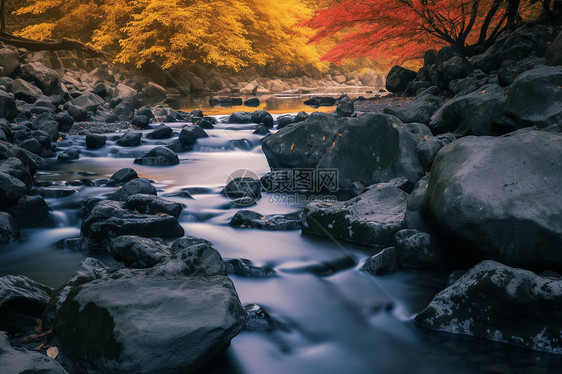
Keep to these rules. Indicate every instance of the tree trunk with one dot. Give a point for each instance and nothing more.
(41, 45)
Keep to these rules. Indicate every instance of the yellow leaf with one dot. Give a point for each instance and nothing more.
(380, 185)
(161, 214)
(59, 139)
(292, 146)
(425, 137)
(38, 348)
(333, 145)
(323, 138)
(53, 352)
(340, 134)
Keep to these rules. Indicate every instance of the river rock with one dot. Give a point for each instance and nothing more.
(95, 141)
(242, 187)
(533, 99)
(8, 228)
(78, 113)
(206, 123)
(428, 148)
(514, 217)
(9, 60)
(22, 361)
(252, 102)
(150, 204)
(398, 78)
(160, 132)
(319, 101)
(130, 138)
(372, 218)
(133, 187)
(65, 121)
(109, 219)
(11, 189)
(419, 110)
(45, 78)
(418, 249)
(189, 135)
(122, 176)
(138, 253)
(159, 156)
(26, 91)
(14, 167)
(510, 70)
(173, 317)
(345, 107)
(141, 121)
(246, 268)
(239, 117)
(21, 301)
(32, 211)
(262, 117)
(386, 261)
(501, 303)
(454, 68)
(250, 219)
(468, 114)
(69, 154)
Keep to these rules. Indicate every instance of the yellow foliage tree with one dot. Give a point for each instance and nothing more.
(229, 33)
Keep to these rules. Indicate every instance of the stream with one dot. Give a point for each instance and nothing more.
(344, 322)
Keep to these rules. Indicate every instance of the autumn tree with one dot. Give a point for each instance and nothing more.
(398, 30)
(228, 33)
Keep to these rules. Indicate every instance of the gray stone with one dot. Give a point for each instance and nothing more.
(533, 99)
(516, 215)
(130, 138)
(383, 262)
(468, 114)
(137, 252)
(500, 303)
(26, 91)
(189, 135)
(150, 204)
(45, 78)
(9, 60)
(372, 218)
(419, 110)
(159, 156)
(8, 228)
(133, 187)
(21, 301)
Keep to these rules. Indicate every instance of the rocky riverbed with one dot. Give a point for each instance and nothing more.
(459, 179)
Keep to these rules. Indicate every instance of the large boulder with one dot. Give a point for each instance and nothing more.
(327, 142)
(372, 218)
(533, 99)
(45, 78)
(398, 78)
(497, 197)
(190, 133)
(468, 114)
(130, 138)
(26, 91)
(11, 189)
(501, 303)
(151, 204)
(419, 110)
(9, 60)
(174, 317)
(21, 301)
(22, 361)
(109, 219)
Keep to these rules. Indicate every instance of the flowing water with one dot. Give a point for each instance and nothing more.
(344, 322)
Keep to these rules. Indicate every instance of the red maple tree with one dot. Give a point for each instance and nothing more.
(398, 30)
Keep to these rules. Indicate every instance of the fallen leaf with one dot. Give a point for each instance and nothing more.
(333, 145)
(380, 185)
(323, 138)
(559, 86)
(340, 134)
(38, 348)
(483, 91)
(53, 352)
(59, 139)
(161, 214)
(31, 338)
(292, 146)
(48, 334)
(425, 137)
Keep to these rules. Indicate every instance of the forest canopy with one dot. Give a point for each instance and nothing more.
(243, 33)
